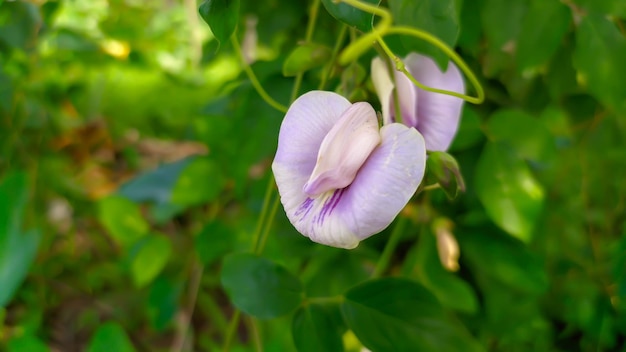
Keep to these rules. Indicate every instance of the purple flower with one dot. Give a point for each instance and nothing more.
(341, 179)
(436, 116)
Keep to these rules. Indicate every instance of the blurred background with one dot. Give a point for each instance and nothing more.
(135, 153)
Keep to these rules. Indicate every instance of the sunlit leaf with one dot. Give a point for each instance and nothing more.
(599, 58)
(259, 286)
(394, 314)
(122, 219)
(17, 248)
(350, 15)
(200, 182)
(221, 16)
(510, 193)
(314, 330)
(544, 26)
(108, 337)
(149, 258)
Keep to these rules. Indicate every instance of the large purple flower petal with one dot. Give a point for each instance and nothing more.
(438, 114)
(381, 188)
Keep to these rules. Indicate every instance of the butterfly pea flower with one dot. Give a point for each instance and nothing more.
(436, 116)
(341, 178)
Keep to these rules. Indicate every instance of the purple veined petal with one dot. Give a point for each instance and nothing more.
(344, 149)
(438, 114)
(382, 187)
(307, 122)
(384, 87)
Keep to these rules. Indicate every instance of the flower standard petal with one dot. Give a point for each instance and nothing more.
(438, 114)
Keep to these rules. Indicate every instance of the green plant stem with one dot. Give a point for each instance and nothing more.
(385, 257)
(256, 335)
(253, 79)
(232, 329)
(356, 49)
(268, 225)
(269, 192)
(310, 28)
(340, 38)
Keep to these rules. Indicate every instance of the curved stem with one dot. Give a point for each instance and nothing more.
(356, 49)
(383, 261)
(333, 56)
(254, 80)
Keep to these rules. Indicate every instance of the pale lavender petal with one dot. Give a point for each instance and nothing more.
(438, 114)
(407, 99)
(383, 86)
(307, 122)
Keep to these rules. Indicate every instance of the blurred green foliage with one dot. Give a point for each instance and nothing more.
(134, 159)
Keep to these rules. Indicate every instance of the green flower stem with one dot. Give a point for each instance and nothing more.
(383, 261)
(309, 35)
(269, 192)
(232, 329)
(253, 79)
(333, 56)
(268, 226)
(356, 49)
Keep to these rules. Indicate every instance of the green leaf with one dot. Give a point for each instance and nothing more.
(199, 183)
(214, 240)
(17, 249)
(163, 302)
(110, 336)
(393, 314)
(28, 343)
(221, 16)
(149, 258)
(469, 133)
(437, 17)
(259, 286)
(511, 195)
(305, 57)
(599, 58)
(604, 7)
(449, 289)
(544, 26)
(122, 219)
(314, 330)
(505, 259)
(445, 170)
(351, 16)
(536, 143)
(19, 23)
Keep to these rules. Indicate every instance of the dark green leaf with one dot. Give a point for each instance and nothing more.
(17, 248)
(599, 58)
(163, 302)
(351, 16)
(508, 190)
(110, 337)
(314, 330)
(259, 286)
(214, 241)
(544, 26)
(200, 182)
(445, 170)
(221, 16)
(122, 219)
(19, 23)
(469, 133)
(395, 314)
(305, 57)
(437, 17)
